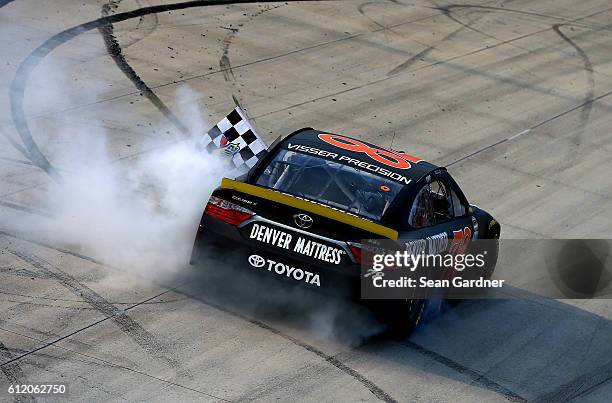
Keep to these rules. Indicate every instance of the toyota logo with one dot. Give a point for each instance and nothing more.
(257, 261)
(303, 220)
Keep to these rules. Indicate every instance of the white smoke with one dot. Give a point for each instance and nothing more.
(141, 219)
(139, 214)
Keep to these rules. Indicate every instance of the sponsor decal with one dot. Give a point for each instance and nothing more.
(251, 202)
(461, 240)
(434, 244)
(387, 157)
(257, 261)
(303, 220)
(231, 149)
(350, 161)
(282, 269)
(297, 244)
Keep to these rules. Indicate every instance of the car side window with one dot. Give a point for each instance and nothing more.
(441, 201)
(459, 209)
(432, 205)
(421, 213)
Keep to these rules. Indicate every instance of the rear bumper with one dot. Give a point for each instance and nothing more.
(222, 246)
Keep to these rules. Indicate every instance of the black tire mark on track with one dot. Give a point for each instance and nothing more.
(106, 361)
(147, 30)
(333, 360)
(14, 374)
(377, 391)
(419, 56)
(448, 63)
(477, 377)
(25, 209)
(542, 123)
(26, 67)
(116, 53)
(588, 67)
(362, 6)
(224, 62)
(125, 323)
(28, 273)
(265, 59)
(581, 386)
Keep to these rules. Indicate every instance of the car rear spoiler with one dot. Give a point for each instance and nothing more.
(310, 206)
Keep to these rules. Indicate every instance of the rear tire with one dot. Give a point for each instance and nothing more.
(401, 317)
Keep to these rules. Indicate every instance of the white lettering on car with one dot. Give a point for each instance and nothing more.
(281, 269)
(303, 246)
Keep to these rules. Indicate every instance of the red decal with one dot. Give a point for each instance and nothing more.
(461, 240)
(388, 157)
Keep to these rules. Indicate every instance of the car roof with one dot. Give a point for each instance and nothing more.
(395, 165)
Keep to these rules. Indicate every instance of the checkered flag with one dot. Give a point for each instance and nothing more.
(237, 139)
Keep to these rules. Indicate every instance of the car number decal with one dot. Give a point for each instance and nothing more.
(388, 157)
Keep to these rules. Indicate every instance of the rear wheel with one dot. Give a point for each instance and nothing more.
(401, 317)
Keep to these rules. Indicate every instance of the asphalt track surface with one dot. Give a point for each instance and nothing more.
(512, 96)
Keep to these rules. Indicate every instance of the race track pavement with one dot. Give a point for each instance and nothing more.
(513, 96)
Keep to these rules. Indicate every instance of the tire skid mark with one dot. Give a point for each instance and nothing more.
(224, 62)
(585, 107)
(42, 366)
(43, 275)
(14, 374)
(23, 272)
(43, 336)
(146, 23)
(588, 67)
(116, 53)
(377, 391)
(361, 9)
(580, 386)
(331, 359)
(448, 63)
(261, 60)
(420, 55)
(478, 378)
(104, 24)
(225, 65)
(126, 324)
(25, 209)
(106, 362)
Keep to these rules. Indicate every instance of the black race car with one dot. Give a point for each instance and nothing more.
(302, 211)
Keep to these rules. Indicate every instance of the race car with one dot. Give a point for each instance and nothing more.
(302, 210)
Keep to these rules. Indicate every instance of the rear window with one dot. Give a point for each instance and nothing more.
(330, 183)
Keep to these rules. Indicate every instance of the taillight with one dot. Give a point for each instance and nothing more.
(227, 211)
(356, 251)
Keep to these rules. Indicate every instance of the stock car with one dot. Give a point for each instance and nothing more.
(302, 211)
